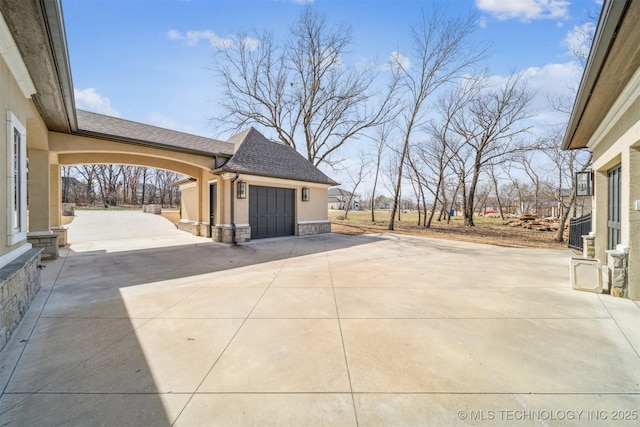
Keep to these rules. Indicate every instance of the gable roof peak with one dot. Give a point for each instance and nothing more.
(255, 154)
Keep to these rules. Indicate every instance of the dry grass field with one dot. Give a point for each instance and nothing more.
(486, 230)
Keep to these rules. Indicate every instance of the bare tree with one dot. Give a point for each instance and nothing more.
(566, 163)
(356, 175)
(527, 163)
(303, 88)
(441, 52)
(438, 152)
(89, 173)
(383, 133)
(492, 128)
(496, 190)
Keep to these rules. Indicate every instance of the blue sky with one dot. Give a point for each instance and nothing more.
(150, 60)
(134, 59)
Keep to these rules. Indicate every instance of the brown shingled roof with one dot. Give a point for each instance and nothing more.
(250, 151)
(99, 125)
(256, 155)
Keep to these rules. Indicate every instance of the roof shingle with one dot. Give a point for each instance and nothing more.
(257, 155)
(249, 151)
(93, 124)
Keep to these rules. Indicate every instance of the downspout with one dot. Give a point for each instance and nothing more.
(233, 199)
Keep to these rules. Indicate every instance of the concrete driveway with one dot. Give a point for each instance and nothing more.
(140, 324)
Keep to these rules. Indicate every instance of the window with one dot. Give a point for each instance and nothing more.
(17, 180)
(613, 207)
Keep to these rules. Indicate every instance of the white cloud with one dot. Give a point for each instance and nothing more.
(397, 62)
(578, 40)
(192, 37)
(525, 10)
(90, 100)
(551, 82)
(303, 1)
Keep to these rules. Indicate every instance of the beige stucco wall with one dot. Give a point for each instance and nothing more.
(11, 100)
(75, 149)
(617, 141)
(189, 202)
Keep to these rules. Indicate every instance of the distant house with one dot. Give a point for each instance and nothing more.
(606, 120)
(339, 198)
(562, 198)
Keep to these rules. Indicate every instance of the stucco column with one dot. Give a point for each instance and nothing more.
(38, 190)
(634, 224)
(39, 235)
(203, 203)
(55, 196)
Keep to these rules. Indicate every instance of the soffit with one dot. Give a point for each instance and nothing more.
(39, 37)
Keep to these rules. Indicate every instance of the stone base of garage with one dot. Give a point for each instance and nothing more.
(306, 228)
(223, 233)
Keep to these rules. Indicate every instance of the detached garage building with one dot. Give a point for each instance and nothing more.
(264, 189)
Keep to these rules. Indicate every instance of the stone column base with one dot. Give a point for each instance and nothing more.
(223, 233)
(45, 240)
(617, 265)
(589, 246)
(61, 232)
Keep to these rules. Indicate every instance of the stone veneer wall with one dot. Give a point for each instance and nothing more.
(308, 228)
(19, 284)
(195, 228)
(152, 209)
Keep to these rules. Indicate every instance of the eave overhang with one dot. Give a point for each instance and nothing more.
(613, 59)
(38, 30)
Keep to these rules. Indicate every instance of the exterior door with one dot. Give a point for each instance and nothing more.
(271, 211)
(613, 207)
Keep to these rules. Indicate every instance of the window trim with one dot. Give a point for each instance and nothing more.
(614, 206)
(16, 220)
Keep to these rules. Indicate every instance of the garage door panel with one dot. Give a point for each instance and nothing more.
(271, 212)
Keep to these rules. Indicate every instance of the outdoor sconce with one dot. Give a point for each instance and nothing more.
(305, 194)
(584, 183)
(242, 190)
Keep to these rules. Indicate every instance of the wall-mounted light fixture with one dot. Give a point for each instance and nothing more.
(305, 194)
(584, 183)
(242, 190)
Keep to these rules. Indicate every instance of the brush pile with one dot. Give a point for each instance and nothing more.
(532, 222)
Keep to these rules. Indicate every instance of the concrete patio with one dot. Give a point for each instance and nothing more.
(138, 323)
